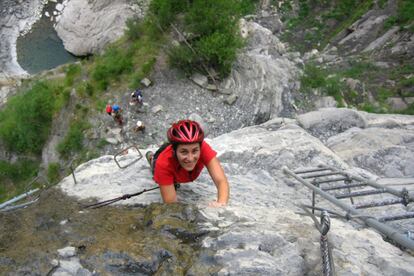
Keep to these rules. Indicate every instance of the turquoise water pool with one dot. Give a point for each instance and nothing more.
(41, 48)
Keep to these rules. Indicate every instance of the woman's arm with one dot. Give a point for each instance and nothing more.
(219, 178)
(168, 193)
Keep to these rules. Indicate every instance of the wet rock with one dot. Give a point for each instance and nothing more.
(15, 19)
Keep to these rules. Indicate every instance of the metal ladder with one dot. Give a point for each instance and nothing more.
(328, 182)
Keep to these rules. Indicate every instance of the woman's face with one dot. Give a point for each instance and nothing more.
(188, 155)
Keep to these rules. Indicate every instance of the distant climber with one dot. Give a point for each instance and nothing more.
(139, 127)
(136, 97)
(108, 109)
(182, 160)
(116, 114)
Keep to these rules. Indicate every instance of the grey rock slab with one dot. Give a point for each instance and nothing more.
(199, 79)
(146, 82)
(66, 252)
(383, 151)
(157, 108)
(326, 101)
(379, 42)
(327, 122)
(112, 141)
(231, 99)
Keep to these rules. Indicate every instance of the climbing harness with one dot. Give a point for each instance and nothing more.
(333, 180)
(123, 197)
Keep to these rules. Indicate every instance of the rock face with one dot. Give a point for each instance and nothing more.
(330, 121)
(86, 27)
(259, 232)
(261, 75)
(386, 148)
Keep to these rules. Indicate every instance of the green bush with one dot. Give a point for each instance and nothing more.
(133, 30)
(73, 70)
(165, 10)
(219, 51)
(113, 63)
(405, 11)
(73, 141)
(409, 110)
(19, 171)
(333, 87)
(15, 177)
(183, 58)
(359, 69)
(27, 118)
(53, 175)
(405, 15)
(313, 77)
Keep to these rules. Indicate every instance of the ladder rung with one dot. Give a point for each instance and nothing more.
(378, 203)
(344, 186)
(319, 175)
(330, 180)
(311, 170)
(397, 217)
(362, 193)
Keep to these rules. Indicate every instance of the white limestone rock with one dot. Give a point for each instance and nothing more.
(330, 121)
(86, 27)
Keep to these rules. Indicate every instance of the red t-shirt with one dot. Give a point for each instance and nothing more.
(168, 171)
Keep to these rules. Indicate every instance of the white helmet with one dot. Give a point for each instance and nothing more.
(139, 124)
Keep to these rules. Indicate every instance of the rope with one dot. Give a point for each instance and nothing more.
(323, 227)
(110, 201)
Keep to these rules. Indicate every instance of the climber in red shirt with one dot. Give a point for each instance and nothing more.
(183, 159)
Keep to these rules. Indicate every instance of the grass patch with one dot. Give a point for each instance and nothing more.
(310, 28)
(110, 66)
(15, 177)
(409, 110)
(53, 175)
(359, 69)
(405, 15)
(27, 118)
(73, 141)
(72, 71)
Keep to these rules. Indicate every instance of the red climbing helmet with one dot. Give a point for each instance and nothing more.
(185, 131)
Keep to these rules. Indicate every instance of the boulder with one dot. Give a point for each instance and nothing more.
(383, 151)
(261, 75)
(86, 27)
(327, 122)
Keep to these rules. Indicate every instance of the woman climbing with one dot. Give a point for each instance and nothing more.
(182, 160)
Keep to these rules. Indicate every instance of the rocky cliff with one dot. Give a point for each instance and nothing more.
(260, 232)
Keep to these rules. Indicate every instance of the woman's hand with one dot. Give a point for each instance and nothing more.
(216, 204)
